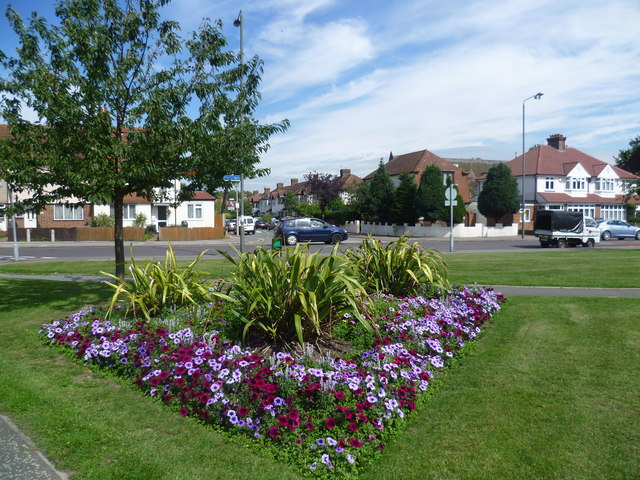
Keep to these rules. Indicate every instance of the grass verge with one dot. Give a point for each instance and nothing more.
(567, 268)
(215, 268)
(583, 267)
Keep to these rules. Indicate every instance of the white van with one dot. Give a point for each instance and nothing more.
(248, 224)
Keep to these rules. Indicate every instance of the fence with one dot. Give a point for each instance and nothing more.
(190, 234)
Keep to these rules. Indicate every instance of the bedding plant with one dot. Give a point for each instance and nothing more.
(327, 414)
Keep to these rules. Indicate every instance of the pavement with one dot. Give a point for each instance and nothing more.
(21, 460)
(19, 457)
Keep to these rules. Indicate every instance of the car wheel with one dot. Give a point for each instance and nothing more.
(336, 238)
(606, 235)
(292, 240)
(638, 235)
(589, 243)
(562, 243)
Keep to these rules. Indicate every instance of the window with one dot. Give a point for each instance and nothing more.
(527, 215)
(604, 185)
(549, 184)
(613, 212)
(194, 211)
(129, 212)
(588, 210)
(67, 212)
(575, 183)
(2, 208)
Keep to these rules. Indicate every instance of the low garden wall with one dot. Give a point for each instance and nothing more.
(438, 231)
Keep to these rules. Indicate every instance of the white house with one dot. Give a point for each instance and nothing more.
(557, 177)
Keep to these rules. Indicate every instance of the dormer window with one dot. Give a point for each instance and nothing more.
(604, 185)
(575, 183)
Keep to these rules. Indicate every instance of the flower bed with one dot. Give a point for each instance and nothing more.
(327, 416)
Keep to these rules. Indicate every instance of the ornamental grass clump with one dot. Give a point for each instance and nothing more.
(293, 295)
(398, 269)
(157, 287)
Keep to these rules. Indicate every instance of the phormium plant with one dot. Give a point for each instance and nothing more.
(158, 286)
(398, 269)
(293, 295)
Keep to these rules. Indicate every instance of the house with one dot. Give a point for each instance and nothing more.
(272, 201)
(416, 162)
(161, 212)
(557, 177)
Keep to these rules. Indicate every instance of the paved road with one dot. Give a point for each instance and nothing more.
(154, 249)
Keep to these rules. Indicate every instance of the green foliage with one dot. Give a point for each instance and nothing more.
(102, 220)
(292, 205)
(459, 210)
(380, 195)
(115, 103)
(156, 287)
(140, 220)
(292, 295)
(629, 159)
(403, 200)
(398, 268)
(430, 196)
(499, 194)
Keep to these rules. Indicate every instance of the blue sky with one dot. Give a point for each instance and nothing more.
(358, 79)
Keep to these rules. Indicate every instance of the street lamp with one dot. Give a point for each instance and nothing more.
(537, 96)
(238, 22)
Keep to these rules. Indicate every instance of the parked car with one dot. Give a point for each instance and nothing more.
(248, 225)
(618, 229)
(308, 229)
(230, 224)
(261, 224)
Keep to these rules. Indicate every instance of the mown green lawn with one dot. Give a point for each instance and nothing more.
(549, 391)
(568, 268)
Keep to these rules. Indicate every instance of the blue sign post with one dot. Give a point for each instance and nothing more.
(231, 178)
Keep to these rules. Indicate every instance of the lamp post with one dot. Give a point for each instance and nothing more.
(537, 96)
(239, 22)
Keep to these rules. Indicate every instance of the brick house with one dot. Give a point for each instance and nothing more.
(416, 162)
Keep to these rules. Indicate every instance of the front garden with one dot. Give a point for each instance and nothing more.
(319, 361)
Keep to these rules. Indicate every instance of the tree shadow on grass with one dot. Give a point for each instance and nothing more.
(21, 294)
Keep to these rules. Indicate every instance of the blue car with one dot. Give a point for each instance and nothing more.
(618, 229)
(309, 229)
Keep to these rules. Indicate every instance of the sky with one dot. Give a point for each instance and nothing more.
(360, 79)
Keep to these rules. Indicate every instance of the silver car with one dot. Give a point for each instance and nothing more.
(618, 229)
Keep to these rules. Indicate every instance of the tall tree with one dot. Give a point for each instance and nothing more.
(111, 86)
(381, 194)
(499, 194)
(324, 187)
(404, 210)
(430, 194)
(629, 160)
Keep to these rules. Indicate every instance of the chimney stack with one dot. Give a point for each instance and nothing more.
(267, 190)
(557, 141)
(294, 181)
(345, 172)
(279, 186)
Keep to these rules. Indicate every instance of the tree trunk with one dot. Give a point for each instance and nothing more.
(118, 237)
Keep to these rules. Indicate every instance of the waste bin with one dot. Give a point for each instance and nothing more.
(276, 242)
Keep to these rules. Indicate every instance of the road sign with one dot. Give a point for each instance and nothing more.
(450, 194)
(447, 203)
(232, 178)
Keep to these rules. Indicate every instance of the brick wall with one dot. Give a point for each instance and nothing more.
(45, 219)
